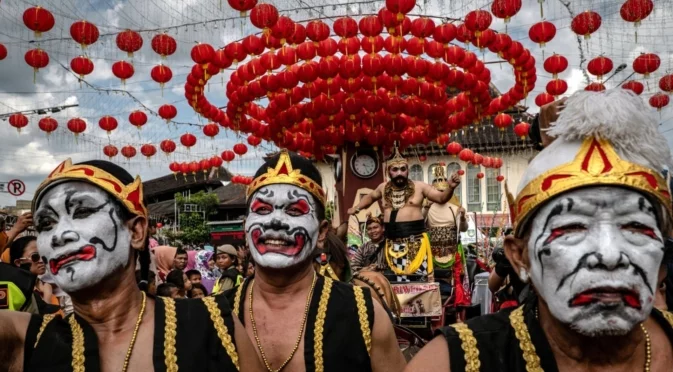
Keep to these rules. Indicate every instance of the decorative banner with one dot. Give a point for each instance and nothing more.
(419, 299)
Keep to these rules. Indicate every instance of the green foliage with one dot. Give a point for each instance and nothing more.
(329, 211)
(193, 229)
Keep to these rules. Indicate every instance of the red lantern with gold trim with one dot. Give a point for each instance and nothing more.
(84, 33)
(635, 11)
(264, 16)
(110, 151)
(167, 146)
(600, 66)
(108, 124)
(188, 140)
(243, 6)
(502, 121)
(521, 130)
(137, 119)
(129, 41)
(543, 99)
(164, 45)
(659, 101)
(48, 125)
(38, 19)
(400, 7)
(555, 65)
(211, 130)
(148, 150)
(646, 64)
(666, 83)
(636, 86)
(542, 32)
(128, 152)
(466, 155)
(77, 126)
(162, 75)
(240, 149)
(82, 66)
(557, 87)
(228, 155)
(123, 70)
(454, 148)
(18, 121)
(37, 59)
(168, 112)
(586, 23)
(505, 9)
(595, 87)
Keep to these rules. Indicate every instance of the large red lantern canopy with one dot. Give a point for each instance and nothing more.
(586, 23)
(129, 41)
(84, 33)
(18, 121)
(38, 19)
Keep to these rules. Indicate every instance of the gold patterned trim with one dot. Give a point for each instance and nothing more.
(319, 324)
(170, 333)
(221, 328)
(469, 345)
(237, 298)
(668, 316)
(45, 320)
(526, 345)
(77, 345)
(364, 320)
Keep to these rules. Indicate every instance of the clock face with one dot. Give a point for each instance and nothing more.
(364, 165)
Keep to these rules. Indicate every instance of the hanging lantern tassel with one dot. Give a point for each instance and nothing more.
(175, 174)
(34, 75)
(541, 10)
(162, 89)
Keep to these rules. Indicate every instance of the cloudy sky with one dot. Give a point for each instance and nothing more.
(30, 155)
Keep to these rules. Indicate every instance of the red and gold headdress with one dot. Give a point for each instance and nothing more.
(397, 159)
(603, 139)
(131, 196)
(285, 173)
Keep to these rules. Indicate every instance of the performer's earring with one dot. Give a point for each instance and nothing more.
(523, 275)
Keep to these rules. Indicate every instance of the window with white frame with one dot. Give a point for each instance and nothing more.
(473, 188)
(451, 169)
(416, 172)
(493, 191)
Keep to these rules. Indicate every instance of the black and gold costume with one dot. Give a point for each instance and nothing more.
(510, 340)
(338, 326)
(189, 335)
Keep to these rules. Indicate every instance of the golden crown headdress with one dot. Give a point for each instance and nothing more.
(397, 159)
(439, 177)
(596, 164)
(131, 196)
(284, 173)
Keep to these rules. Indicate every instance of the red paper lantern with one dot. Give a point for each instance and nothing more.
(194, 167)
(77, 126)
(555, 64)
(557, 87)
(129, 41)
(81, 66)
(205, 166)
(38, 19)
(137, 119)
(522, 129)
(500, 178)
(164, 45)
(216, 162)
(148, 150)
(646, 64)
(235, 52)
(466, 155)
(460, 172)
(168, 112)
(175, 168)
(243, 6)
(228, 155)
(162, 75)
(595, 87)
(505, 9)
(128, 152)
(542, 32)
(84, 33)
(18, 121)
(345, 27)
(108, 124)
(666, 83)
(188, 140)
(497, 163)
(167, 146)
(400, 7)
(48, 125)
(586, 23)
(122, 70)
(371, 26)
(502, 121)
(478, 20)
(480, 175)
(240, 149)
(3, 52)
(659, 101)
(254, 140)
(184, 169)
(202, 53)
(454, 148)
(211, 130)
(543, 99)
(635, 11)
(600, 66)
(37, 59)
(110, 151)
(264, 16)
(636, 86)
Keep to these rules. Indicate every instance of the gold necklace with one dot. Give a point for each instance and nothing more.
(648, 343)
(301, 331)
(135, 333)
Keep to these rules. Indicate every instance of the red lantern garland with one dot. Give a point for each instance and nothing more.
(129, 41)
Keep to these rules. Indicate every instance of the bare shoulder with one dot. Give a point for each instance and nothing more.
(434, 357)
(13, 327)
(386, 354)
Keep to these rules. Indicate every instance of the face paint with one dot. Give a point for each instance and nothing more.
(281, 227)
(594, 256)
(81, 235)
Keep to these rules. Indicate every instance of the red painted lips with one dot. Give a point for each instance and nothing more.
(286, 247)
(86, 253)
(607, 295)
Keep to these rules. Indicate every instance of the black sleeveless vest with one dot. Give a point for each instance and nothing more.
(189, 335)
(490, 343)
(338, 314)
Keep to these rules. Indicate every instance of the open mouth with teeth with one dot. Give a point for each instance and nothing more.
(86, 253)
(607, 296)
(287, 245)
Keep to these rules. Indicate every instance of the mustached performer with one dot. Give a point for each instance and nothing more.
(407, 248)
(590, 218)
(92, 223)
(298, 319)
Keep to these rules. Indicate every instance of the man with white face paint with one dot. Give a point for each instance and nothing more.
(590, 219)
(300, 320)
(92, 224)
